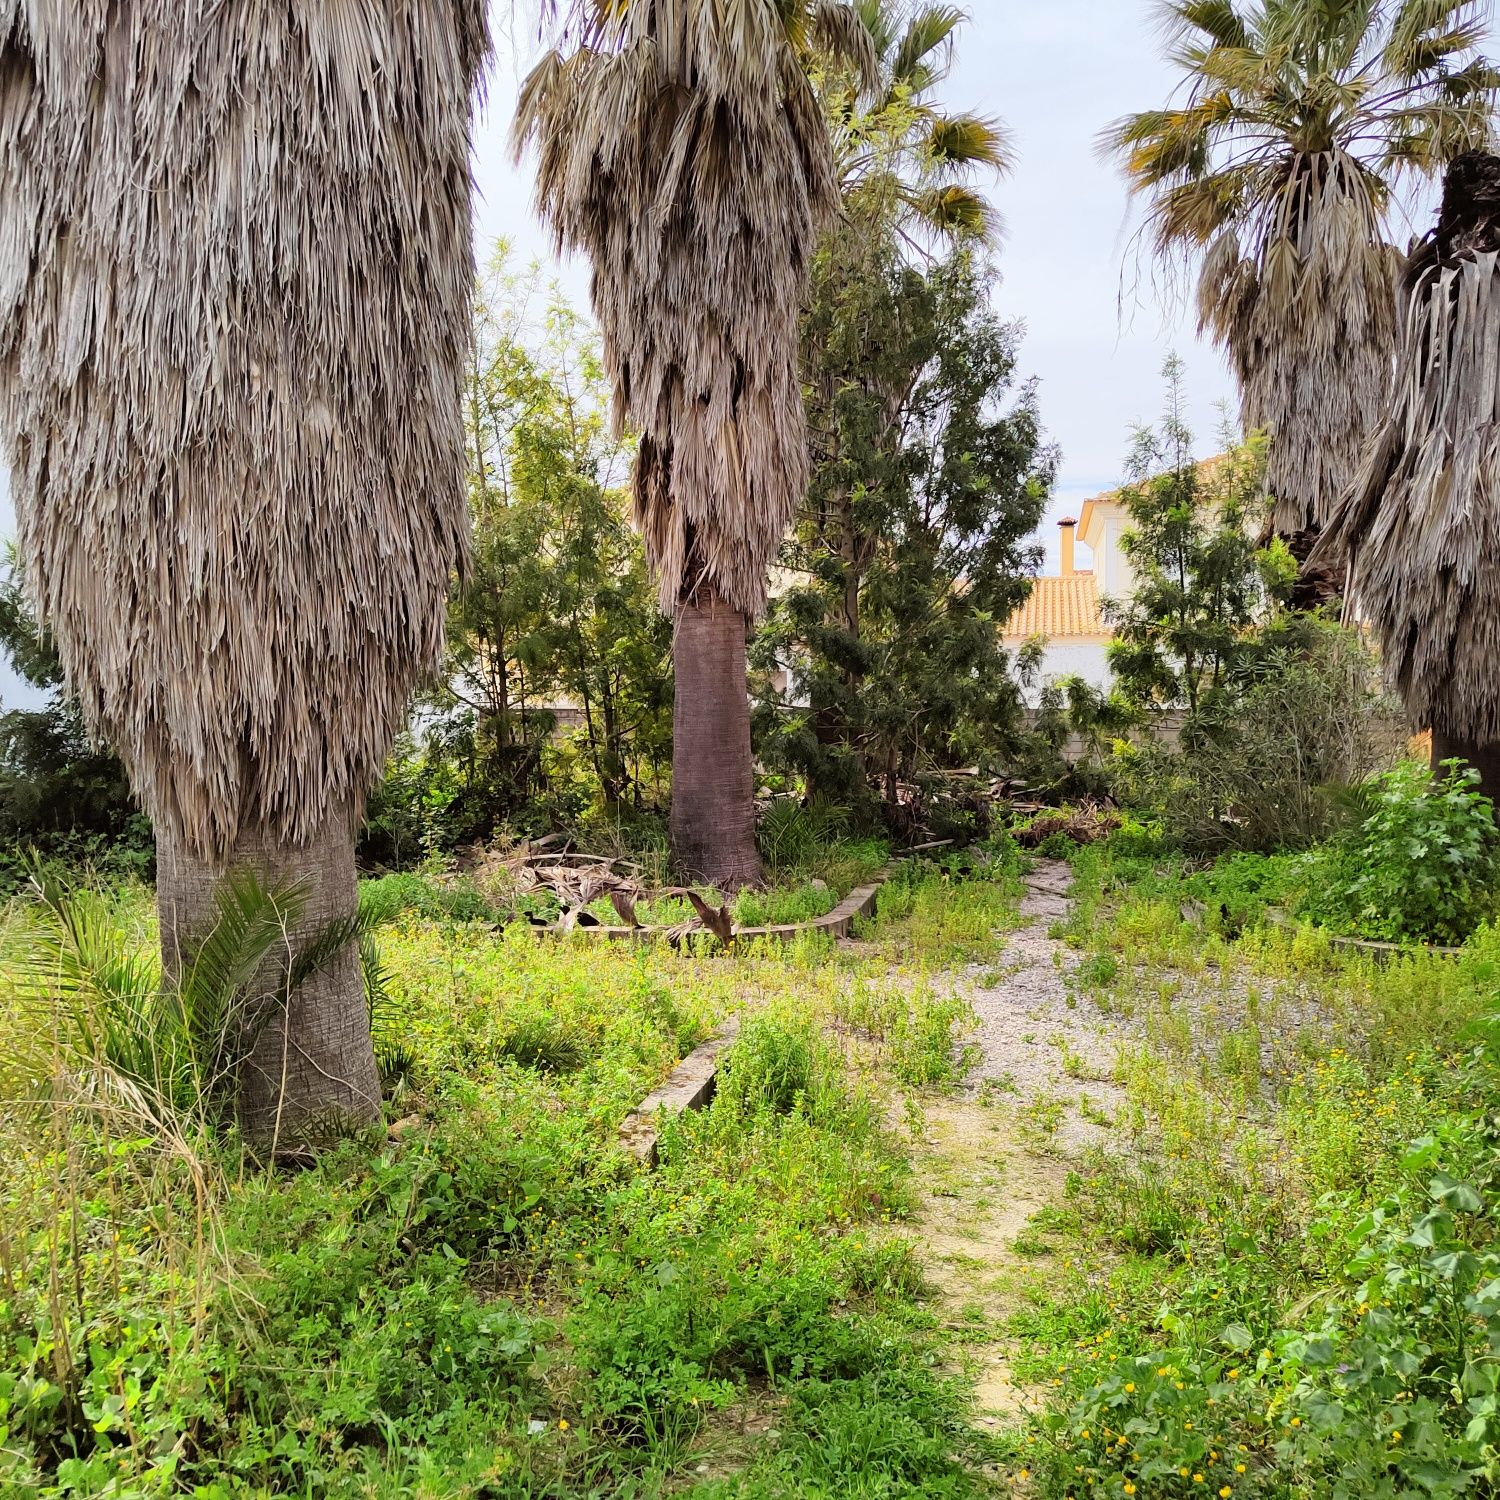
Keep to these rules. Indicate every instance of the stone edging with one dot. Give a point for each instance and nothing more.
(837, 924)
(1288, 923)
(690, 1085)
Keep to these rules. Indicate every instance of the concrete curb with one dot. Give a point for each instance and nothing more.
(690, 1085)
(1279, 918)
(837, 924)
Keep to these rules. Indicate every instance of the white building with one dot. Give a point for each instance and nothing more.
(1065, 610)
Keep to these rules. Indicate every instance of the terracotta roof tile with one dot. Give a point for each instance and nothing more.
(1059, 608)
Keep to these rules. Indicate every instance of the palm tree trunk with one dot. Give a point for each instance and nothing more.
(310, 1071)
(713, 775)
(1483, 758)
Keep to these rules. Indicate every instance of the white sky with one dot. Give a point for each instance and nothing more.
(1056, 73)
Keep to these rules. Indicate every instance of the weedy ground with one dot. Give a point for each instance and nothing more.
(1126, 1195)
(1278, 1275)
(493, 1300)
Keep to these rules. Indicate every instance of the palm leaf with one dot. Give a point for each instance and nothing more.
(929, 31)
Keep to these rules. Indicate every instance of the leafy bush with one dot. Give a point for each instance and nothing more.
(790, 832)
(1423, 866)
(774, 1065)
(60, 796)
(390, 896)
(1262, 765)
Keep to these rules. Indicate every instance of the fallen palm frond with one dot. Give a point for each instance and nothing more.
(576, 881)
(1421, 526)
(234, 298)
(681, 147)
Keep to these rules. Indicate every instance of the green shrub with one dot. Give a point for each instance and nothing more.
(1261, 765)
(790, 833)
(389, 896)
(773, 1065)
(1423, 866)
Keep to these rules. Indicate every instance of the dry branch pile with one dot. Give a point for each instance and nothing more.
(1089, 824)
(575, 881)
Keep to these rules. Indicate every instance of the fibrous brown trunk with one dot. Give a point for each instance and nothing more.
(309, 1073)
(1483, 758)
(713, 775)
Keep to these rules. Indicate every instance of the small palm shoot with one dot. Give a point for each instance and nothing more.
(170, 1046)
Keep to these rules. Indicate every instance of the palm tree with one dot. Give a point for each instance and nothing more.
(681, 147)
(1277, 172)
(1420, 529)
(233, 321)
(902, 161)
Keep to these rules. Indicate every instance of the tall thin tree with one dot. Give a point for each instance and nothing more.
(234, 294)
(1276, 173)
(681, 148)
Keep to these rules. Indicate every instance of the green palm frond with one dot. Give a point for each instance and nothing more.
(1425, 33)
(1215, 18)
(962, 141)
(881, 22)
(176, 1041)
(904, 153)
(929, 31)
(955, 211)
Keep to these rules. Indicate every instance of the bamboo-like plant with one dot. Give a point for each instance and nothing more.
(234, 302)
(1420, 529)
(1275, 174)
(681, 148)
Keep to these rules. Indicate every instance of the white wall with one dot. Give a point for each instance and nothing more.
(1085, 659)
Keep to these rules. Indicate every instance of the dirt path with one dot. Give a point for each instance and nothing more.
(1041, 1093)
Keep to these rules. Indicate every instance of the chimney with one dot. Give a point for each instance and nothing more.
(1066, 533)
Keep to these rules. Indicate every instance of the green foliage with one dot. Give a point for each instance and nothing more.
(905, 162)
(390, 896)
(882, 661)
(790, 832)
(1200, 583)
(1298, 1294)
(59, 795)
(1421, 867)
(1267, 764)
(174, 1042)
(493, 1301)
(892, 1432)
(555, 699)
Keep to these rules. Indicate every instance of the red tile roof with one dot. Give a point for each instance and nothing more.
(1060, 609)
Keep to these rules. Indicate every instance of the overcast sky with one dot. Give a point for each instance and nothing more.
(1056, 74)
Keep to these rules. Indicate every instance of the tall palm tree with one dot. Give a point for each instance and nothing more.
(233, 316)
(1420, 528)
(902, 160)
(681, 147)
(1276, 172)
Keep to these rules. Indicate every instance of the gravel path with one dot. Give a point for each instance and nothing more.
(994, 1157)
(1037, 1040)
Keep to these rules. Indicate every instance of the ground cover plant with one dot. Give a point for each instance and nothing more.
(483, 1297)
(1279, 1277)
